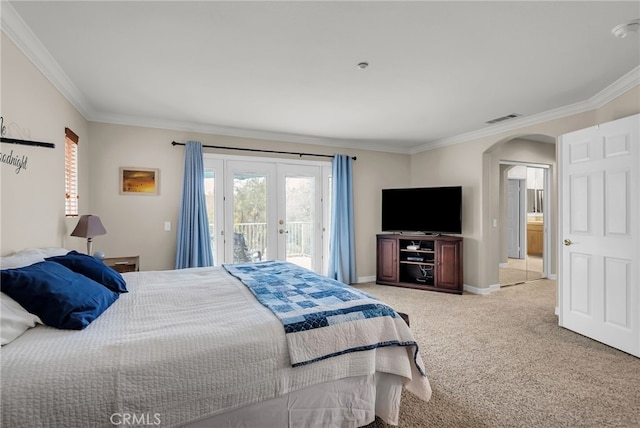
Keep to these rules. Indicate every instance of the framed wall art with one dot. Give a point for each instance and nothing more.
(139, 181)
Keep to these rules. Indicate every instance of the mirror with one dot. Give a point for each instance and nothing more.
(534, 201)
(535, 223)
(523, 195)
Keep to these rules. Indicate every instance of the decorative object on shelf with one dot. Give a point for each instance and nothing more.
(89, 226)
(139, 181)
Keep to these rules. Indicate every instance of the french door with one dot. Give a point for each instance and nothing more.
(269, 210)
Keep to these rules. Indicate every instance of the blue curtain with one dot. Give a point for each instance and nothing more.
(342, 255)
(194, 240)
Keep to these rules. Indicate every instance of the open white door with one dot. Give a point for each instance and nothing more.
(599, 274)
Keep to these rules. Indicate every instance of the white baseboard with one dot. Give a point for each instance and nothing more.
(482, 291)
(552, 276)
(468, 288)
(503, 265)
(362, 279)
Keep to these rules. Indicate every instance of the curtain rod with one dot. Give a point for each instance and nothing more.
(27, 143)
(175, 143)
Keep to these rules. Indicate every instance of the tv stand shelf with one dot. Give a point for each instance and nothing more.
(427, 262)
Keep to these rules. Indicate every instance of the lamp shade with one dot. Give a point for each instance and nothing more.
(89, 226)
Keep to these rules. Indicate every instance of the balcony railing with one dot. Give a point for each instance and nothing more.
(299, 236)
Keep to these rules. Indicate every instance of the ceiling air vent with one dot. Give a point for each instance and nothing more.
(503, 118)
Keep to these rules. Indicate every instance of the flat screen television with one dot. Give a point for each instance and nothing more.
(422, 209)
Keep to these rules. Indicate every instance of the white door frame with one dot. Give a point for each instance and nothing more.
(546, 210)
(217, 165)
(220, 164)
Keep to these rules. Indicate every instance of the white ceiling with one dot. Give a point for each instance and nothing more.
(287, 70)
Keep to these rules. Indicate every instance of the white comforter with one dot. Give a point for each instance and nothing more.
(180, 346)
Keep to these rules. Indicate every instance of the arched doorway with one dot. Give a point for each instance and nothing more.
(530, 155)
(524, 201)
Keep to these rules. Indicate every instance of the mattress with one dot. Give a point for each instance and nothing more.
(180, 347)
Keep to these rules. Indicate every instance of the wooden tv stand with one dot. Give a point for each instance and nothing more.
(435, 265)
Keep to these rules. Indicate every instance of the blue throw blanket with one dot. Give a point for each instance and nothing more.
(322, 317)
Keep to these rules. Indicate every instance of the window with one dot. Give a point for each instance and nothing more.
(70, 173)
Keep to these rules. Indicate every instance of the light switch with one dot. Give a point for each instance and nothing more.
(167, 226)
(495, 222)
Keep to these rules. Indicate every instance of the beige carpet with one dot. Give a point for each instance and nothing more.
(502, 361)
(521, 270)
(510, 276)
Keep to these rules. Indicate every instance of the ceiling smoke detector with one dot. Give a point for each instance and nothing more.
(621, 31)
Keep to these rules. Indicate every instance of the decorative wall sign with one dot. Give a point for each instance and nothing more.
(139, 181)
(4, 139)
(18, 161)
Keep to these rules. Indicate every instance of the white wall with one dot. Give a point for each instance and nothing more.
(32, 201)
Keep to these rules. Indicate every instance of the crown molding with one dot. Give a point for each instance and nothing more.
(174, 125)
(608, 94)
(21, 35)
(16, 29)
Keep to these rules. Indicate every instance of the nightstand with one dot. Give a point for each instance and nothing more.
(123, 264)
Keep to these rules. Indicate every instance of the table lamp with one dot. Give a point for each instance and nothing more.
(89, 226)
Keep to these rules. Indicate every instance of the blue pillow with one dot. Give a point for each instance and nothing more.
(92, 268)
(60, 297)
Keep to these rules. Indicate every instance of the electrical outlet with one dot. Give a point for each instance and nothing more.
(167, 226)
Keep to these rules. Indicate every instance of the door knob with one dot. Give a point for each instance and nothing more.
(283, 231)
(567, 242)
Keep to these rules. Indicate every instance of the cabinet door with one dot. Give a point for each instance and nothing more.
(448, 265)
(387, 266)
(534, 238)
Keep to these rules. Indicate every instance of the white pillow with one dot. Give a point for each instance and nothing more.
(30, 256)
(52, 251)
(14, 319)
(21, 259)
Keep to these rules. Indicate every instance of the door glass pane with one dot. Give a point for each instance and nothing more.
(249, 218)
(209, 194)
(299, 215)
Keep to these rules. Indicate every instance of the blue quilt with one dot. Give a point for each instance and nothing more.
(322, 317)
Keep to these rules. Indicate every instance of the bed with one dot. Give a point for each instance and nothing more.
(196, 347)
